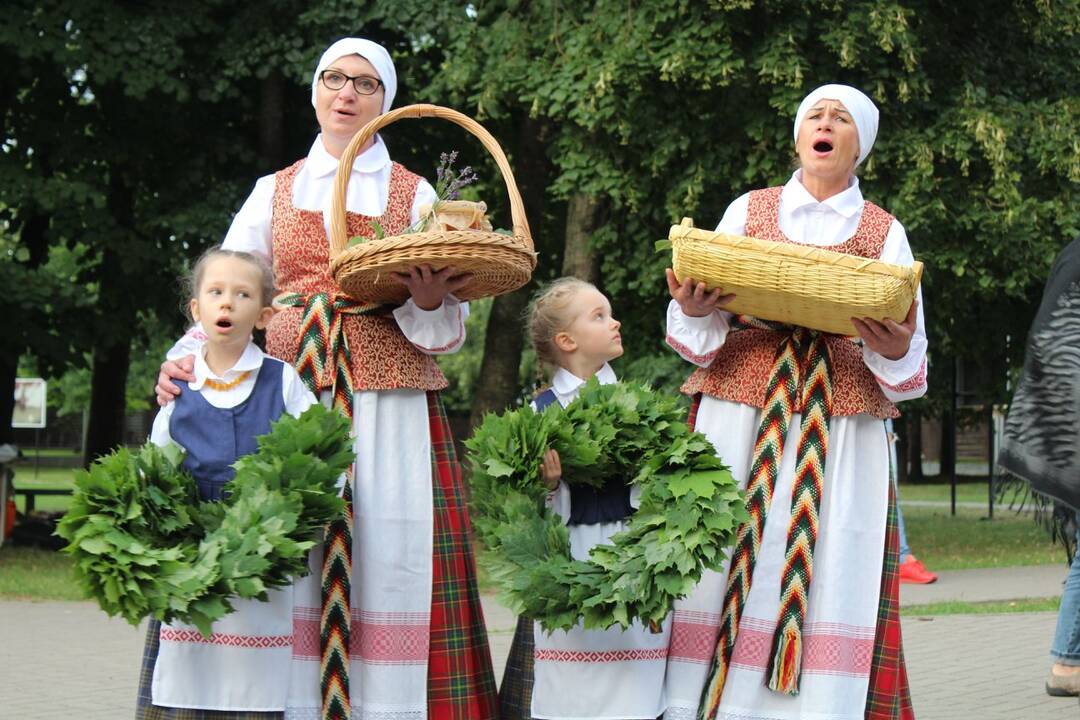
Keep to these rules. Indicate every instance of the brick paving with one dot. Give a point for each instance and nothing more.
(62, 660)
(983, 667)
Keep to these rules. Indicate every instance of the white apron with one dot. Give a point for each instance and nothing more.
(391, 578)
(838, 635)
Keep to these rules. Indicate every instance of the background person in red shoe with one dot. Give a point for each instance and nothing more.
(912, 569)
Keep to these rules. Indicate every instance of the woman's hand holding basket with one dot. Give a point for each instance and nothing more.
(887, 337)
(695, 299)
(428, 287)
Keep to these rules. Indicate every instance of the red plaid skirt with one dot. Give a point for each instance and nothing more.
(461, 683)
(889, 697)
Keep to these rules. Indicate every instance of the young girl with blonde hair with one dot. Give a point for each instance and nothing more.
(242, 669)
(581, 673)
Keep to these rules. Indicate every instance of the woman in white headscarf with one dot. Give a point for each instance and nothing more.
(803, 620)
(418, 647)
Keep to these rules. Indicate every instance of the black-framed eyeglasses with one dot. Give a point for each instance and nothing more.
(363, 84)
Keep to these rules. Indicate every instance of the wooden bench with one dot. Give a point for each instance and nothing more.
(32, 493)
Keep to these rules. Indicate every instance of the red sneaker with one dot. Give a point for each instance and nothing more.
(913, 571)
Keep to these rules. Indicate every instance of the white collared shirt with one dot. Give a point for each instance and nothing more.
(367, 194)
(296, 396)
(825, 223)
(566, 385)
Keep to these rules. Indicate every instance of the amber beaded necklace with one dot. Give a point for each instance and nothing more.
(223, 386)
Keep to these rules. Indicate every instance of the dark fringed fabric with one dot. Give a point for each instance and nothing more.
(1039, 461)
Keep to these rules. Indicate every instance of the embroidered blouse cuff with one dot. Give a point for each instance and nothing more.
(705, 323)
(696, 339)
(903, 379)
(435, 332)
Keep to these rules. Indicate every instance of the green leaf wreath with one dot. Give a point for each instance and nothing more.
(690, 507)
(144, 544)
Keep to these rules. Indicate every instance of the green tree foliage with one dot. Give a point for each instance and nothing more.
(131, 135)
(132, 132)
(673, 108)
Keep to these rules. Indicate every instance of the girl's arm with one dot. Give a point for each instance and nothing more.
(296, 395)
(159, 431)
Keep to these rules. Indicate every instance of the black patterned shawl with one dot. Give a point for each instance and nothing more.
(1041, 442)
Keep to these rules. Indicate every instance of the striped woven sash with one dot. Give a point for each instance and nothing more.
(322, 340)
(800, 381)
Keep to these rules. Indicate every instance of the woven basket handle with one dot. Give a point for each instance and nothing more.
(338, 233)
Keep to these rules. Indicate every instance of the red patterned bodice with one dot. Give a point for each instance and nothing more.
(382, 357)
(740, 372)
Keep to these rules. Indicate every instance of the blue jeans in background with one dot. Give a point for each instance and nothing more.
(1066, 646)
(905, 550)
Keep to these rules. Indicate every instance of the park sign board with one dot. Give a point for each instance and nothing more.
(29, 403)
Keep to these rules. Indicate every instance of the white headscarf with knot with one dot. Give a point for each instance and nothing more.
(862, 110)
(373, 52)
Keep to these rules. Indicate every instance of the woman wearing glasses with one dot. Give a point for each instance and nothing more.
(418, 647)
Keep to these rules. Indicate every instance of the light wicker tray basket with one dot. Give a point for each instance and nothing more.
(498, 263)
(793, 284)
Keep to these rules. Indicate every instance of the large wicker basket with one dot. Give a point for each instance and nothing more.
(793, 284)
(498, 263)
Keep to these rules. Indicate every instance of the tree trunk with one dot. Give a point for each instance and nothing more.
(112, 349)
(9, 367)
(272, 120)
(108, 404)
(505, 337)
(584, 214)
(502, 355)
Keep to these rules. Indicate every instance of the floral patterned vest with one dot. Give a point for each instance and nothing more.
(382, 357)
(740, 371)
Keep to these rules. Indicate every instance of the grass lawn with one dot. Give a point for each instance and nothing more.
(50, 477)
(941, 541)
(67, 453)
(1051, 604)
(940, 492)
(30, 573)
(944, 542)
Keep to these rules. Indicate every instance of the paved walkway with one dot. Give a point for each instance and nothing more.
(68, 660)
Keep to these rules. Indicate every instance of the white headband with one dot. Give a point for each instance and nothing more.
(859, 106)
(372, 52)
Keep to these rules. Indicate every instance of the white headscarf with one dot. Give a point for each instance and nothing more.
(373, 52)
(862, 110)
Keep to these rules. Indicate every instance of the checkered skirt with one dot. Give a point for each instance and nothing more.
(515, 691)
(889, 697)
(461, 682)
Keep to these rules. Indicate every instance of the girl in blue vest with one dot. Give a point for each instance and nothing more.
(242, 670)
(581, 673)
